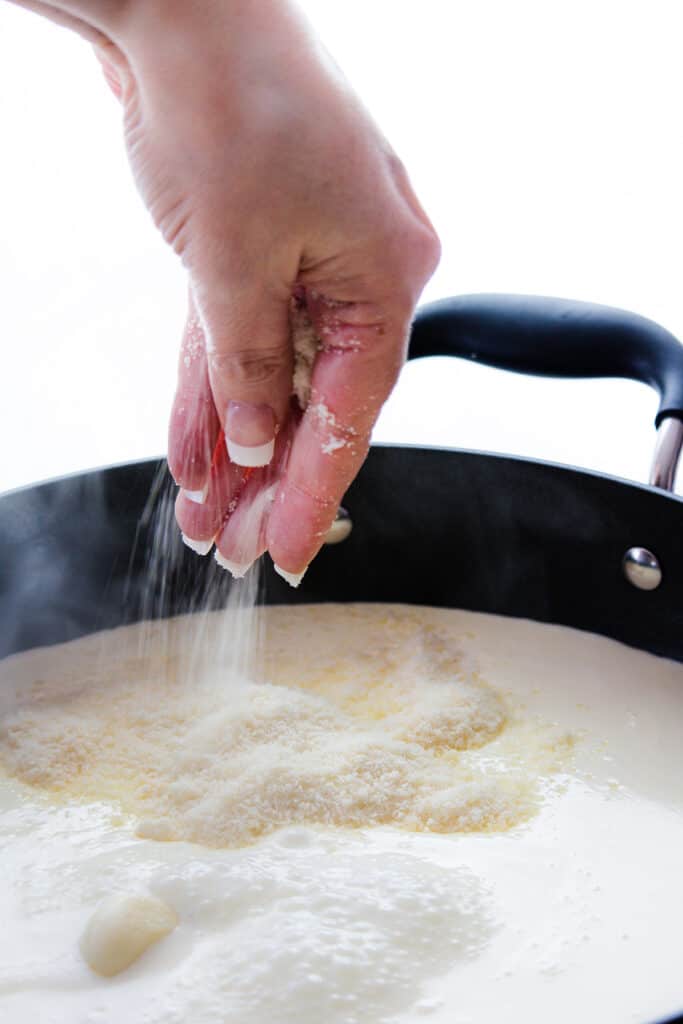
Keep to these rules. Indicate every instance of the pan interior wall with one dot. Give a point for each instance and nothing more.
(442, 528)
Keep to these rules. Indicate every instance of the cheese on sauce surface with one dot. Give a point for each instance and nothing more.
(406, 814)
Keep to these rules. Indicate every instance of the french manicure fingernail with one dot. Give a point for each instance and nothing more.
(198, 497)
(201, 547)
(250, 434)
(293, 578)
(236, 569)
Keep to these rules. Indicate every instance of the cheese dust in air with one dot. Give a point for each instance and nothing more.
(174, 579)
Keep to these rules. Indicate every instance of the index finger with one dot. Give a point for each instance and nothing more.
(353, 375)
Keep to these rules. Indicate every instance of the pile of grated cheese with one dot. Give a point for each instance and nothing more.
(366, 715)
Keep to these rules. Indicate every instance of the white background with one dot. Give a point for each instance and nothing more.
(544, 138)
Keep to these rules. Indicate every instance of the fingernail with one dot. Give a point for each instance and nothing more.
(198, 497)
(235, 568)
(250, 434)
(293, 578)
(201, 547)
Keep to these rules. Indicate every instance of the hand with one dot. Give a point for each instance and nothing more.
(269, 180)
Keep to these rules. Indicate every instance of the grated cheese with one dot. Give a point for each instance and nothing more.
(368, 717)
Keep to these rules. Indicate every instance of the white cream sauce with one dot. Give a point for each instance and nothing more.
(572, 915)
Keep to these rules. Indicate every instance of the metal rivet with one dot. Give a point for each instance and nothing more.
(642, 568)
(340, 529)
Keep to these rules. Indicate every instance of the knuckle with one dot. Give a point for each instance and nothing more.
(250, 366)
(411, 255)
(429, 250)
(385, 363)
(421, 250)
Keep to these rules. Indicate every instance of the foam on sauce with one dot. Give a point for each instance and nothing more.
(417, 814)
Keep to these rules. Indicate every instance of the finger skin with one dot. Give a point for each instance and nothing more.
(226, 481)
(352, 378)
(194, 423)
(250, 358)
(110, 73)
(242, 538)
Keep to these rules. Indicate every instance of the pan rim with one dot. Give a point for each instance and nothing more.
(580, 471)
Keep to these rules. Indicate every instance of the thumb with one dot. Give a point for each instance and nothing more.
(249, 361)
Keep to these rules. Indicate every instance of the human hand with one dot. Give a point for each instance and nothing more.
(269, 180)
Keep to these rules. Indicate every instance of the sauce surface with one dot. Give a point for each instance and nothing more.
(481, 817)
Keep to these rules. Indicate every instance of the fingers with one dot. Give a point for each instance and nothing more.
(242, 538)
(116, 69)
(200, 523)
(111, 75)
(225, 496)
(352, 377)
(248, 368)
(194, 425)
(363, 349)
(249, 361)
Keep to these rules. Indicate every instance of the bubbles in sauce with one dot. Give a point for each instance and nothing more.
(570, 913)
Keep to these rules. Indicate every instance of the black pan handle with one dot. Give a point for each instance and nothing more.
(554, 337)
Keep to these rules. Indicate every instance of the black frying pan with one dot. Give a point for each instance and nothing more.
(462, 529)
(490, 533)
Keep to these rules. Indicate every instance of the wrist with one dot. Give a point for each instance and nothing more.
(219, 46)
(140, 22)
(102, 15)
